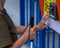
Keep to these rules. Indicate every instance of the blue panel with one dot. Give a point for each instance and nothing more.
(58, 40)
(31, 8)
(26, 12)
(22, 12)
(31, 12)
(26, 18)
(40, 35)
(48, 36)
(53, 39)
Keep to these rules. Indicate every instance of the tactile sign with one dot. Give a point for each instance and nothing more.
(47, 6)
(50, 7)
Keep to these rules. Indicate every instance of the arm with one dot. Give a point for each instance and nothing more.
(40, 26)
(24, 37)
(20, 29)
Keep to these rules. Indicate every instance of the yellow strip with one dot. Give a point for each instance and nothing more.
(53, 0)
(47, 5)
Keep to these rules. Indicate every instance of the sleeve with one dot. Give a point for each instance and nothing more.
(5, 37)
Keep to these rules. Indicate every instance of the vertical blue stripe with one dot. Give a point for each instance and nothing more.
(53, 39)
(26, 12)
(58, 40)
(48, 36)
(37, 33)
(48, 40)
(32, 8)
(22, 12)
(26, 17)
(31, 14)
(40, 35)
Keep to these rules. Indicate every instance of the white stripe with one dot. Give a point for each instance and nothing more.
(28, 11)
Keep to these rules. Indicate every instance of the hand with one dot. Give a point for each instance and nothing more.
(42, 24)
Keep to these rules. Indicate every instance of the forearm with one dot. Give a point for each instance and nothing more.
(21, 41)
(20, 29)
(24, 38)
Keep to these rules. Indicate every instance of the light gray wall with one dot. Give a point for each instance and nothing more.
(12, 7)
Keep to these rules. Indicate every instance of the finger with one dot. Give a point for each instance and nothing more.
(45, 25)
(46, 17)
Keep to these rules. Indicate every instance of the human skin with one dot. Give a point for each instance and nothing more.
(20, 29)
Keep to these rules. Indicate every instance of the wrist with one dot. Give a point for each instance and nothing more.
(35, 28)
(42, 22)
